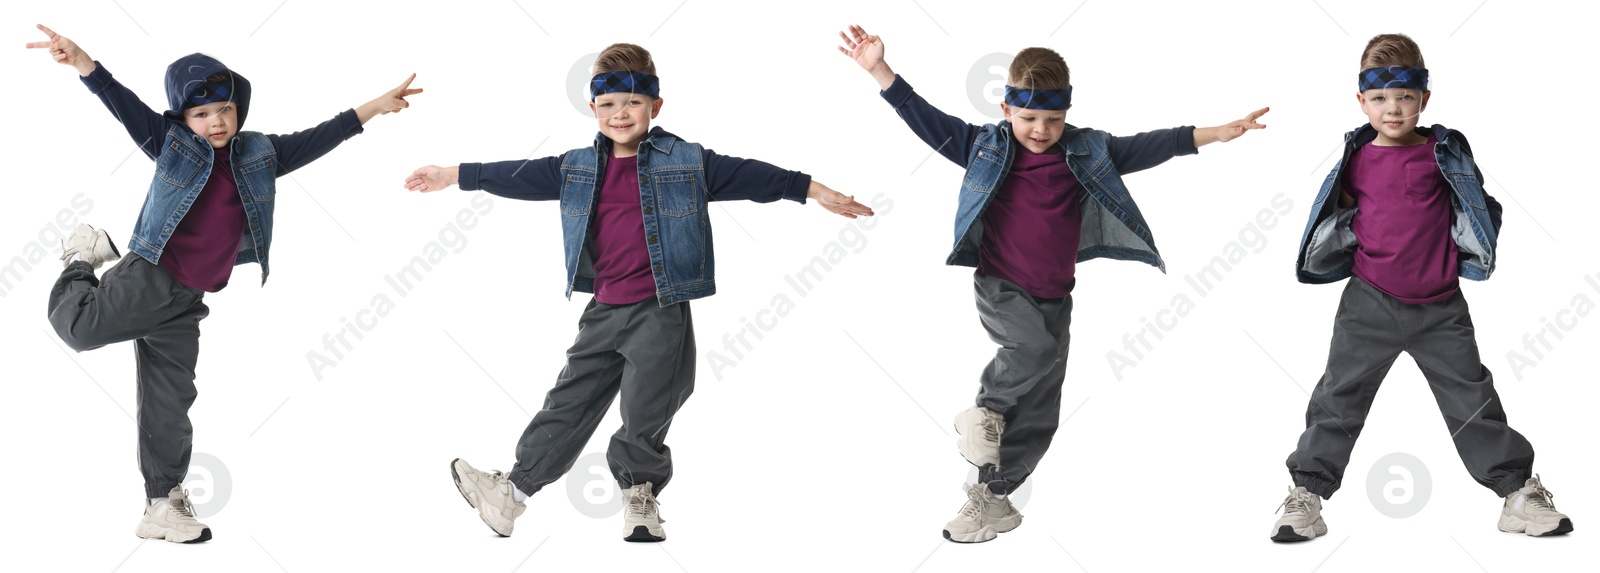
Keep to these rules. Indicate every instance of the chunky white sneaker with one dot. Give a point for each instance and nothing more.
(489, 493)
(984, 517)
(92, 246)
(173, 520)
(1302, 517)
(642, 519)
(1531, 510)
(979, 432)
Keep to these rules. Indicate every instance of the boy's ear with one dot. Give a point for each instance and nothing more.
(1005, 110)
(655, 108)
(1360, 99)
(592, 110)
(1425, 95)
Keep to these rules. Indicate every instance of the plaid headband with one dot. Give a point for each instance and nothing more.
(625, 82)
(1054, 100)
(209, 92)
(1402, 77)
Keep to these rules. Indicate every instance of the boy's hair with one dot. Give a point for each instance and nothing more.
(1391, 50)
(624, 57)
(219, 78)
(1039, 69)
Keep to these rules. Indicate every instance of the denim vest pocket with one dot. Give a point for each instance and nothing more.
(577, 193)
(178, 165)
(259, 193)
(677, 194)
(1468, 187)
(983, 171)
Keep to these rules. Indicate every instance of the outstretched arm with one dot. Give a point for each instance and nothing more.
(529, 180)
(300, 148)
(836, 202)
(945, 133)
(144, 125)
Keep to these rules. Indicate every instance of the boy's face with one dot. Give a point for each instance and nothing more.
(625, 117)
(1394, 112)
(218, 122)
(1037, 130)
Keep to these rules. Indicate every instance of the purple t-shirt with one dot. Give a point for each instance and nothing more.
(621, 259)
(1032, 226)
(1403, 224)
(205, 245)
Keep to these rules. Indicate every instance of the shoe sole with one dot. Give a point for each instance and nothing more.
(205, 535)
(974, 537)
(641, 534)
(1287, 533)
(456, 477)
(1562, 528)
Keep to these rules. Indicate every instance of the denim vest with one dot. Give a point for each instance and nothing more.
(677, 224)
(1328, 245)
(181, 172)
(1112, 225)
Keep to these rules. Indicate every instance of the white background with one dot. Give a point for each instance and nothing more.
(828, 444)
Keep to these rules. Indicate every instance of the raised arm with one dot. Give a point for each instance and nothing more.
(526, 180)
(945, 133)
(145, 126)
(300, 148)
(1151, 148)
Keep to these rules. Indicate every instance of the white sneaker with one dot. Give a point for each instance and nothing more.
(489, 493)
(642, 519)
(92, 246)
(979, 432)
(173, 520)
(1530, 510)
(984, 517)
(1302, 517)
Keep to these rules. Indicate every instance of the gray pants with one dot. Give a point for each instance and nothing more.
(141, 302)
(642, 350)
(1369, 332)
(1023, 381)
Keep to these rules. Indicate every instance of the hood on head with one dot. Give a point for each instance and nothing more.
(189, 72)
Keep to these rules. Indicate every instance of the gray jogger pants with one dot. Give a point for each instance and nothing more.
(1369, 332)
(642, 350)
(140, 301)
(1023, 381)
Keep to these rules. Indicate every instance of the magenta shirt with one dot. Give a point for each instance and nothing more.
(1032, 226)
(621, 259)
(205, 245)
(1402, 225)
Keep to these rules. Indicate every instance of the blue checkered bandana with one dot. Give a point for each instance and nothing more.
(209, 92)
(625, 82)
(1394, 77)
(1054, 100)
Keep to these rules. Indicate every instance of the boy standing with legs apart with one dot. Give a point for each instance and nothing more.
(209, 208)
(1404, 215)
(1039, 195)
(635, 222)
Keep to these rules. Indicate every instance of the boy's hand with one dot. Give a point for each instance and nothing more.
(394, 101)
(867, 51)
(1231, 131)
(836, 202)
(432, 178)
(65, 51)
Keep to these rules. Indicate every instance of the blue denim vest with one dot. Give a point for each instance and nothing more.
(677, 224)
(1328, 245)
(1112, 225)
(181, 172)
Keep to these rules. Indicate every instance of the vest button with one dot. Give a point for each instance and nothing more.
(658, 269)
(652, 239)
(648, 210)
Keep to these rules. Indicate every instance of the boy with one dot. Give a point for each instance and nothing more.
(637, 235)
(1039, 195)
(209, 207)
(1412, 219)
